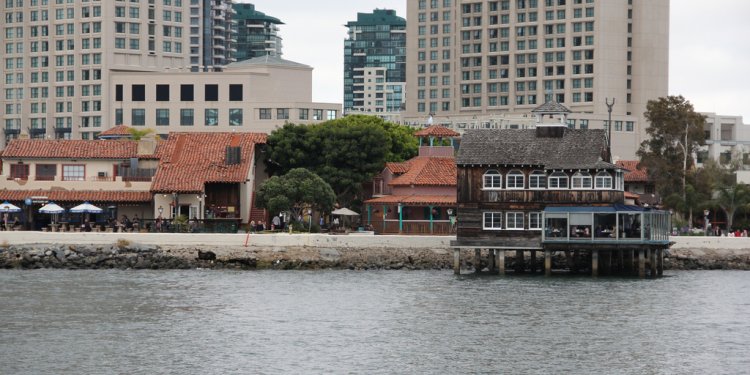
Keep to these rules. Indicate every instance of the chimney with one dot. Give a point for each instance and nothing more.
(146, 146)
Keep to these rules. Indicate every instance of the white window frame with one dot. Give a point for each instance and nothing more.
(74, 172)
(599, 180)
(581, 181)
(493, 216)
(514, 175)
(538, 216)
(557, 177)
(492, 173)
(535, 177)
(508, 220)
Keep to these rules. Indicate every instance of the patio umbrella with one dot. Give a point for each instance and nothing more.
(8, 207)
(344, 212)
(53, 209)
(86, 208)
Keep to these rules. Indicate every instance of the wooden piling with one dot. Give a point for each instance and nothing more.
(594, 263)
(642, 263)
(547, 262)
(661, 262)
(654, 266)
(457, 261)
(519, 261)
(477, 260)
(532, 261)
(491, 260)
(500, 260)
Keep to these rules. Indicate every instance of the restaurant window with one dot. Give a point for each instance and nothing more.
(492, 179)
(603, 180)
(74, 173)
(515, 179)
(558, 180)
(46, 172)
(535, 220)
(581, 180)
(514, 221)
(19, 171)
(538, 180)
(492, 220)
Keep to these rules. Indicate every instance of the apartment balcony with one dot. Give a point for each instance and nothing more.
(62, 130)
(36, 132)
(12, 130)
(219, 36)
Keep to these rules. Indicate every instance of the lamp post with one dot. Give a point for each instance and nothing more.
(161, 210)
(609, 126)
(174, 204)
(309, 214)
(705, 221)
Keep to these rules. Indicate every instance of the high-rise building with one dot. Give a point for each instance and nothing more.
(213, 34)
(488, 63)
(58, 57)
(257, 33)
(375, 62)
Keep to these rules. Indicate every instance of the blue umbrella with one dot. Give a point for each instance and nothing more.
(8, 207)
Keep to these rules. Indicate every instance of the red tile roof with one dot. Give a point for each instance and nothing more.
(630, 195)
(437, 131)
(119, 130)
(398, 168)
(635, 173)
(78, 195)
(70, 149)
(428, 171)
(414, 199)
(190, 160)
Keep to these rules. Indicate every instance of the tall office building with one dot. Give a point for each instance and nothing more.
(58, 57)
(257, 33)
(488, 63)
(375, 62)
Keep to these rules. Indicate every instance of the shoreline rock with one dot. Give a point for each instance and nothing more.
(127, 255)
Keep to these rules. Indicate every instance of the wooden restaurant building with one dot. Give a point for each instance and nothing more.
(551, 190)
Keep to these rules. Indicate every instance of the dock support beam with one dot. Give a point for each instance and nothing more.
(457, 261)
(491, 260)
(660, 262)
(500, 261)
(595, 263)
(547, 262)
(654, 266)
(519, 261)
(642, 263)
(477, 260)
(532, 261)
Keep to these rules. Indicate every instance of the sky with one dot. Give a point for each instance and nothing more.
(709, 47)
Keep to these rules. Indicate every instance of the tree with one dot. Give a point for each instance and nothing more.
(345, 152)
(295, 191)
(730, 198)
(138, 134)
(675, 131)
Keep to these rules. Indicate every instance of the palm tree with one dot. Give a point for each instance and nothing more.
(138, 134)
(731, 197)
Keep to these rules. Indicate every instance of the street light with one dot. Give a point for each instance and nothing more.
(309, 213)
(160, 209)
(705, 221)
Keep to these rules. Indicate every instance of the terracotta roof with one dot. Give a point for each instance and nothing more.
(190, 160)
(428, 171)
(398, 168)
(437, 131)
(576, 149)
(70, 149)
(630, 195)
(635, 174)
(414, 199)
(78, 195)
(119, 130)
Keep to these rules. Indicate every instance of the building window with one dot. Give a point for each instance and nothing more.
(187, 93)
(603, 180)
(212, 117)
(187, 117)
(331, 114)
(558, 180)
(538, 180)
(492, 221)
(19, 171)
(212, 93)
(138, 93)
(235, 93)
(581, 180)
(492, 180)
(162, 93)
(74, 173)
(235, 117)
(118, 116)
(138, 117)
(282, 113)
(515, 179)
(118, 93)
(304, 113)
(535, 220)
(264, 113)
(514, 221)
(46, 172)
(162, 117)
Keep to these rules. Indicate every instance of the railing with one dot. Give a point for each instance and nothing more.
(44, 178)
(556, 196)
(439, 227)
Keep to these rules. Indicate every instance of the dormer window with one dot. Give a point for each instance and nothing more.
(515, 179)
(492, 180)
(581, 180)
(603, 181)
(538, 180)
(558, 180)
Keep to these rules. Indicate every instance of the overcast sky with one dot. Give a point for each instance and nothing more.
(709, 56)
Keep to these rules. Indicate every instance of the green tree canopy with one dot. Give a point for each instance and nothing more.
(295, 191)
(345, 152)
(138, 134)
(675, 131)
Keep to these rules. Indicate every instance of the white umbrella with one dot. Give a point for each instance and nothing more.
(8, 207)
(344, 212)
(87, 208)
(51, 208)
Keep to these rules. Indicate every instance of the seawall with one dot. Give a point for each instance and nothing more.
(298, 251)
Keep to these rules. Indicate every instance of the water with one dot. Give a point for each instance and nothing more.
(222, 322)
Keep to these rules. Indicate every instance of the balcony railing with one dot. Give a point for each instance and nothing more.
(12, 131)
(44, 178)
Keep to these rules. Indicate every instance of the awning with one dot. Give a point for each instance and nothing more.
(109, 196)
(597, 209)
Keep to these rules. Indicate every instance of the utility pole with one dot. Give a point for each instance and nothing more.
(609, 127)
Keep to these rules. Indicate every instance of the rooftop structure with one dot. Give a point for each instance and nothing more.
(257, 33)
